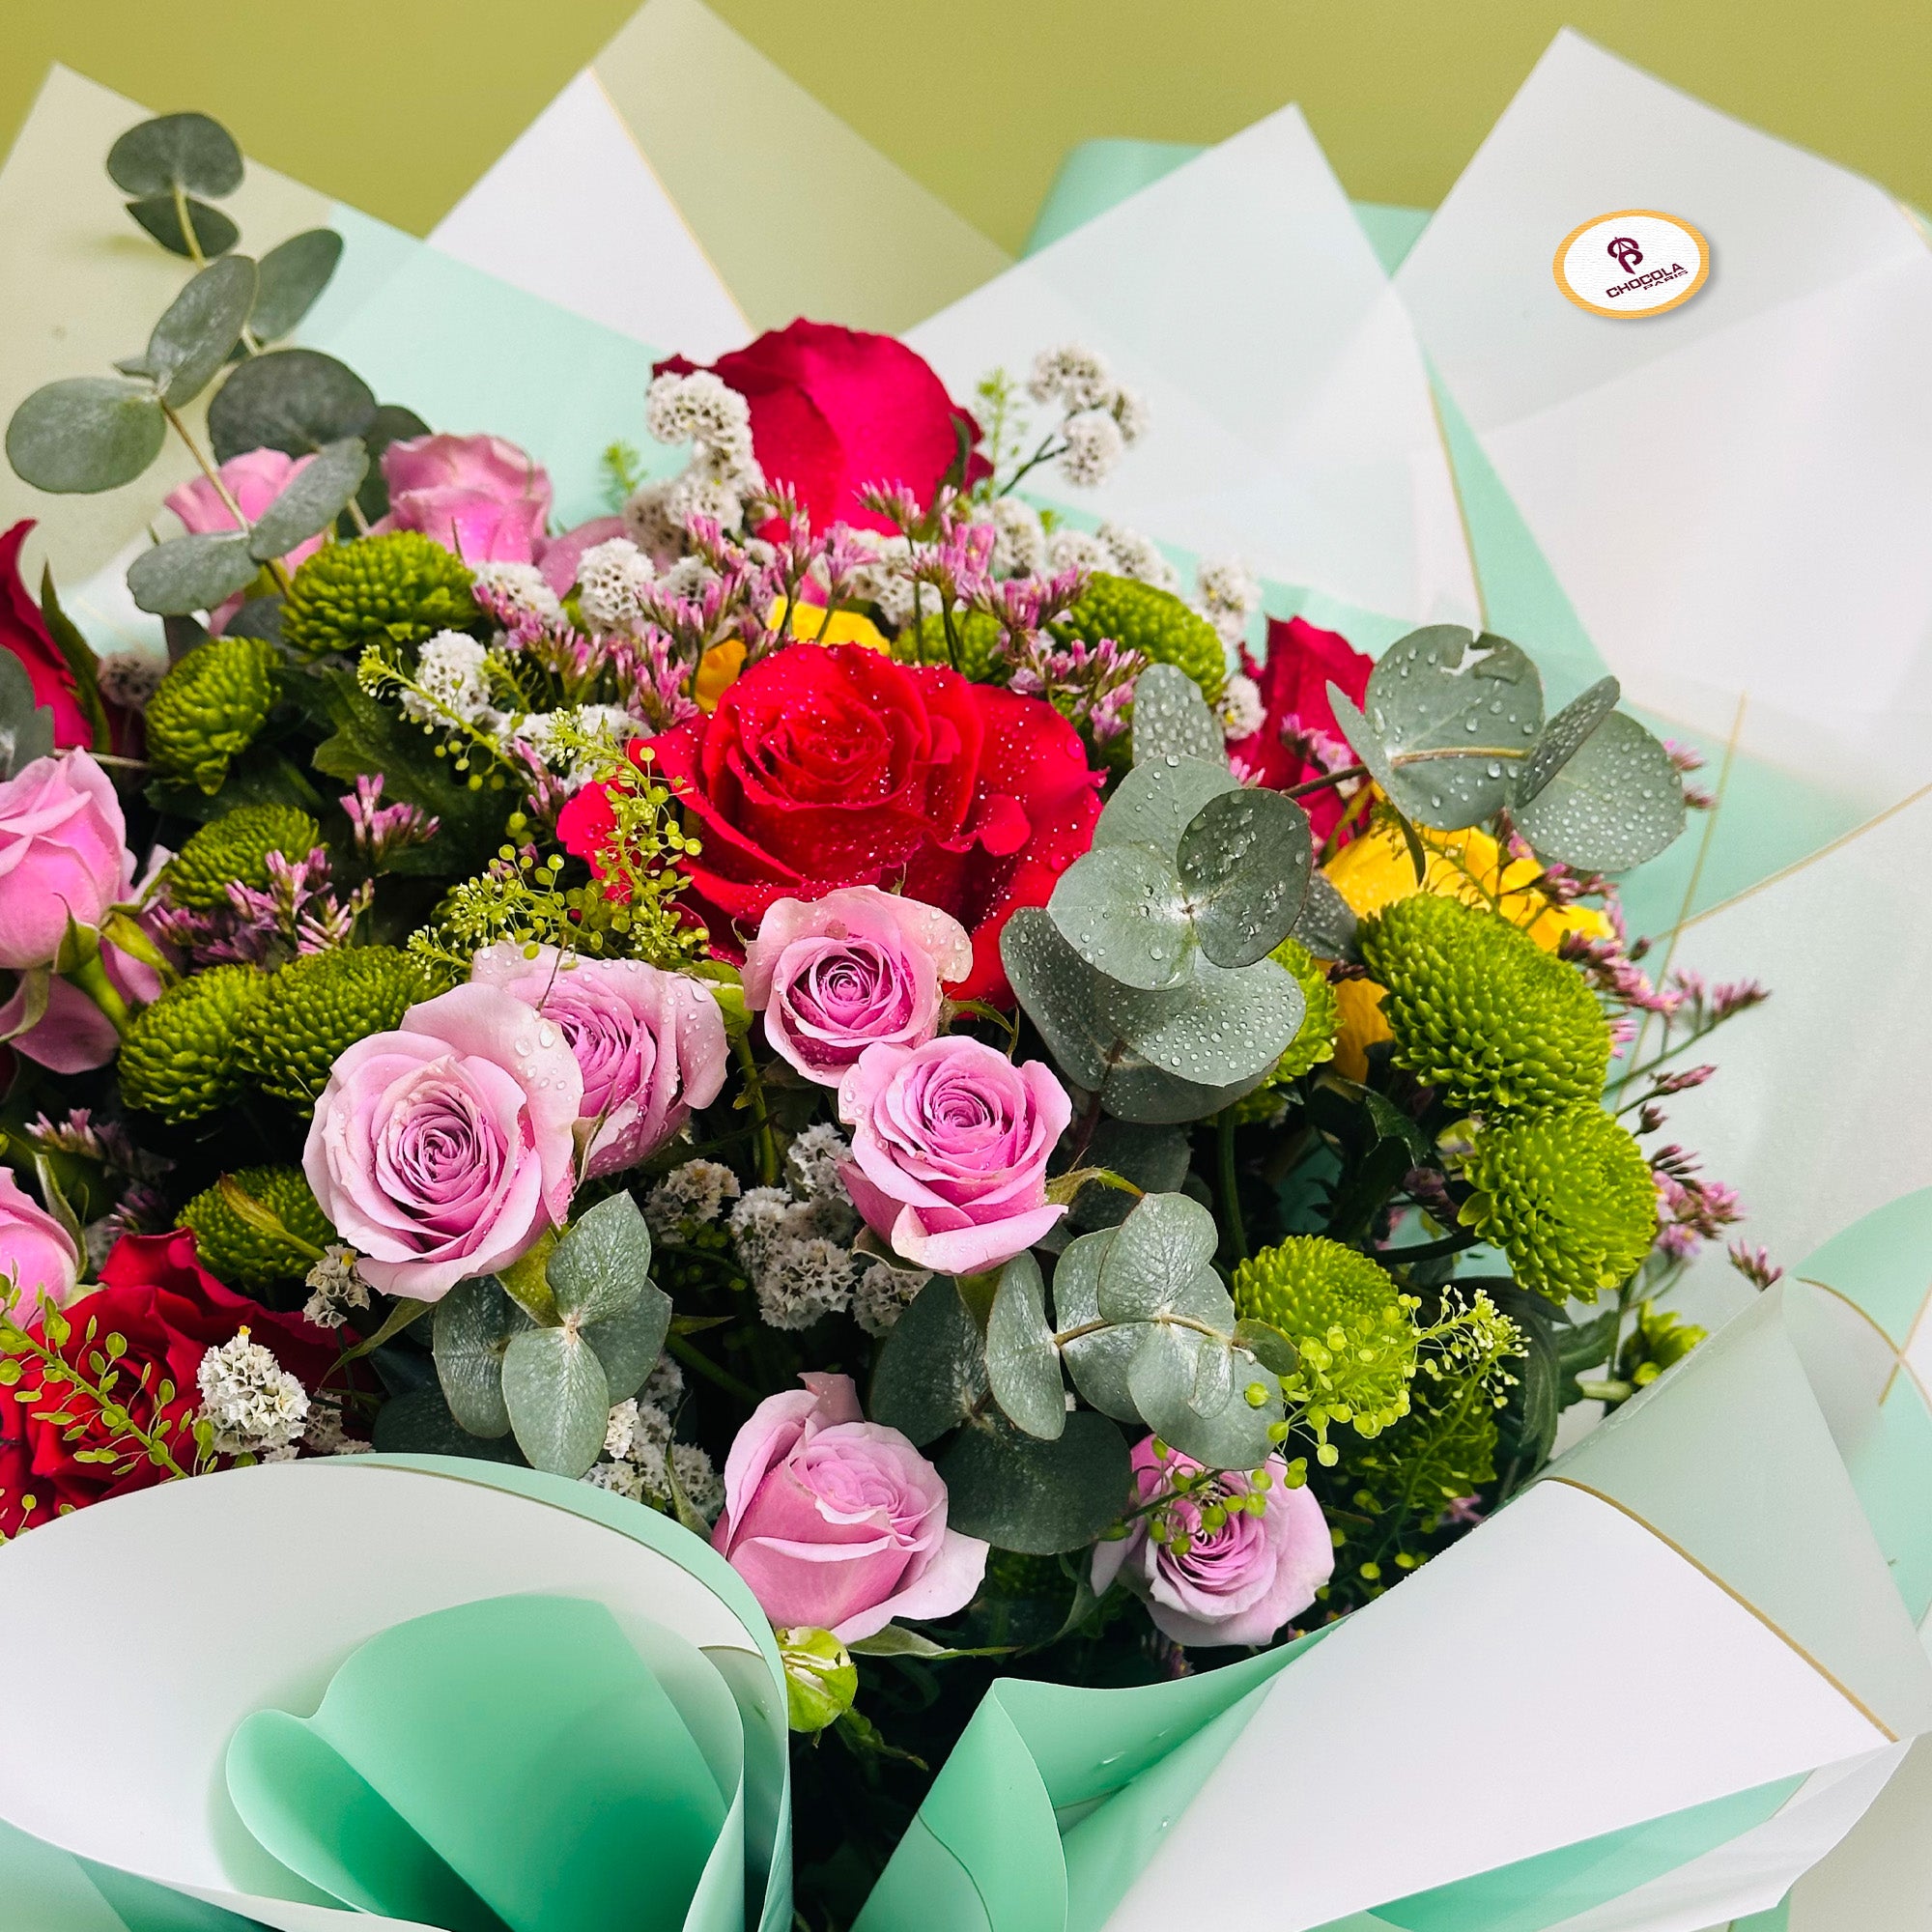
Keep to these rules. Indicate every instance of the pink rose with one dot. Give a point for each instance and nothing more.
(443, 1150)
(478, 496)
(649, 1045)
(39, 1256)
(838, 974)
(837, 1522)
(948, 1156)
(63, 852)
(1237, 1582)
(254, 479)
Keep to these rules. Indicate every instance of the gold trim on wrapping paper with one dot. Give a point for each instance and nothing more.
(1895, 1349)
(1850, 1696)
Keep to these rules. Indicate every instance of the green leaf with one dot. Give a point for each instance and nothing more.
(1581, 1346)
(86, 434)
(1121, 909)
(476, 1323)
(295, 400)
(392, 423)
(1019, 1492)
(931, 1374)
(1563, 738)
(294, 274)
(311, 502)
(1327, 923)
(420, 1423)
(26, 725)
(1268, 1346)
(194, 573)
(81, 663)
(1191, 1390)
(1158, 1252)
(558, 1400)
(173, 151)
(1245, 858)
(1022, 1364)
(1098, 1361)
(1221, 1026)
(1061, 994)
(628, 1344)
(1617, 801)
(199, 327)
(160, 215)
(1149, 1096)
(1171, 719)
(1155, 803)
(603, 1264)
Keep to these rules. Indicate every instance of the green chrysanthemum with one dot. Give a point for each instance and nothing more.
(1480, 1010)
(318, 1007)
(236, 1251)
(1314, 1038)
(1353, 1327)
(399, 589)
(1142, 617)
(236, 848)
(208, 709)
(1568, 1196)
(979, 633)
(185, 1056)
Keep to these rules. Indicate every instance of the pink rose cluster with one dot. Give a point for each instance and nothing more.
(63, 857)
(837, 1522)
(478, 496)
(1227, 1572)
(446, 1148)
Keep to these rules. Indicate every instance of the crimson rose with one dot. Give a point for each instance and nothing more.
(834, 410)
(829, 765)
(1302, 662)
(170, 1311)
(24, 632)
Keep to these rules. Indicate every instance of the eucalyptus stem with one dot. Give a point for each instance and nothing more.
(1235, 1233)
(1326, 780)
(221, 490)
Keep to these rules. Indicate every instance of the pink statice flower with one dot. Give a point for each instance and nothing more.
(381, 831)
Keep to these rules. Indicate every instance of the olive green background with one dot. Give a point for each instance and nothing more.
(397, 105)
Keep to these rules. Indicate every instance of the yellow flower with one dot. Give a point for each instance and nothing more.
(810, 625)
(716, 672)
(1374, 869)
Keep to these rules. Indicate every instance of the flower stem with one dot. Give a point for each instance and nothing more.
(1326, 780)
(92, 980)
(1235, 1237)
(221, 490)
(761, 1120)
(1429, 1251)
(696, 1358)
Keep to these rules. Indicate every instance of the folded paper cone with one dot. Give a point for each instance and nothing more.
(344, 1559)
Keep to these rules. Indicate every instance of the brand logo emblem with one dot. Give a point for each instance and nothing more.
(1631, 263)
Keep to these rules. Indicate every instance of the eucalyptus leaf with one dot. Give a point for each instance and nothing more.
(193, 573)
(85, 434)
(1149, 1095)
(26, 725)
(474, 1322)
(558, 1400)
(1171, 719)
(1022, 1364)
(1019, 1492)
(603, 1264)
(1563, 738)
(199, 327)
(1120, 907)
(1061, 994)
(160, 215)
(1155, 1158)
(931, 1374)
(173, 151)
(292, 274)
(1244, 860)
(1154, 803)
(1219, 1028)
(1098, 1360)
(1615, 803)
(420, 1423)
(1192, 1390)
(1154, 1255)
(629, 1342)
(311, 500)
(392, 423)
(295, 400)
(1327, 923)
(1268, 1345)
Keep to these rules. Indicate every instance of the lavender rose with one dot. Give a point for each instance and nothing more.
(478, 496)
(38, 1256)
(839, 974)
(650, 1045)
(444, 1148)
(1226, 1571)
(63, 853)
(839, 1523)
(950, 1151)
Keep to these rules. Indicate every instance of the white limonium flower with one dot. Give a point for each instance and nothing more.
(1076, 377)
(1019, 549)
(1228, 596)
(453, 671)
(336, 1287)
(695, 1192)
(1131, 412)
(1241, 711)
(883, 1294)
(795, 1255)
(815, 1158)
(1093, 445)
(1077, 550)
(255, 1406)
(523, 587)
(130, 678)
(557, 737)
(1137, 556)
(610, 578)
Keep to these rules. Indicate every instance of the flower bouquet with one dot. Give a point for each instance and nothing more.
(826, 1011)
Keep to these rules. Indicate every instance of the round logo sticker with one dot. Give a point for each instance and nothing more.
(1633, 263)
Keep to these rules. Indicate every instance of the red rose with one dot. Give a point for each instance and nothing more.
(828, 766)
(836, 409)
(24, 632)
(1302, 662)
(170, 1311)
